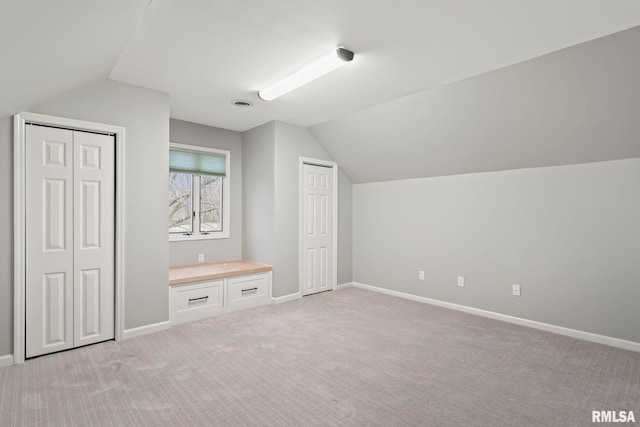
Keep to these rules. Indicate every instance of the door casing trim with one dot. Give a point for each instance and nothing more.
(19, 202)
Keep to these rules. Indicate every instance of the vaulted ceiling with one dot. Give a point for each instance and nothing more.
(50, 47)
(428, 86)
(577, 105)
(206, 53)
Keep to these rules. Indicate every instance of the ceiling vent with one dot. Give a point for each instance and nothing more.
(242, 103)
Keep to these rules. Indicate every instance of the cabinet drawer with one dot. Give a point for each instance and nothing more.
(190, 302)
(248, 291)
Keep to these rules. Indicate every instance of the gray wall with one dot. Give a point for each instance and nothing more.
(271, 155)
(183, 253)
(292, 142)
(6, 236)
(258, 194)
(569, 235)
(345, 242)
(145, 115)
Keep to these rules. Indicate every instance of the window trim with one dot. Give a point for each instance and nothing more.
(226, 198)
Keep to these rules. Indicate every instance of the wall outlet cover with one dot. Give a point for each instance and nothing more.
(515, 290)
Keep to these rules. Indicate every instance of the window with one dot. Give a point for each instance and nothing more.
(198, 193)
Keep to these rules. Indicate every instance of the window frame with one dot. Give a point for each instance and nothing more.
(195, 198)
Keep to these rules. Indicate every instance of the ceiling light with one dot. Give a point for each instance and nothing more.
(311, 72)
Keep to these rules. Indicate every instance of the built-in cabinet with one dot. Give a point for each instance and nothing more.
(205, 290)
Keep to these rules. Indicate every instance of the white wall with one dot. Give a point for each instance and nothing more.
(569, 235)
(184, 253)
(145, 115)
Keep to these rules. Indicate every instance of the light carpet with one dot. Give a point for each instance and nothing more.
(348, 357)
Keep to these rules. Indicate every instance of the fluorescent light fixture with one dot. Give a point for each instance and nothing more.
(311, 72)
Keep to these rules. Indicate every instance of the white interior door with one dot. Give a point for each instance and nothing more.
(49, 240)
(93, 255)
(317, 241)
(69, 239)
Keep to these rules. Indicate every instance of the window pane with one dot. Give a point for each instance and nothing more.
(210, 203)
(180, 220)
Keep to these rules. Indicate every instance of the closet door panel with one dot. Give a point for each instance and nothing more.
(94, 182)
(49, 240)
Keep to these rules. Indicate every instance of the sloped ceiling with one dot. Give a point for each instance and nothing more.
(49, 47)
(205, 53)
(427, 94)
(577, 105)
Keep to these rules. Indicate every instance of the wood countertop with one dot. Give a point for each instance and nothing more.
(215, 270)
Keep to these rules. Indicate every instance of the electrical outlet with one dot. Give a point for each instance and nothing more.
(421, 275)
(515, 290)
(200, 257)
(461, 281)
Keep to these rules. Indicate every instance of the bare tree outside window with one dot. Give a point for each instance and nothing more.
(199, 188)
(180, 203)
(210, 203)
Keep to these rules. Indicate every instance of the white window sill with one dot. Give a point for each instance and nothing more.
(211, 236)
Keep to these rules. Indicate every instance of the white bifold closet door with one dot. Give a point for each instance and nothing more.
(317, 258)
(70, 194)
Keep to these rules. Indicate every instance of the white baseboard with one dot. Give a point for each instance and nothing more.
(6, 360)
(147, 329)
(561, 330)
(298, 295)
(286, 298)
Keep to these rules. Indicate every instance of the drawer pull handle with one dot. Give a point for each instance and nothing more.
(246, 291)
(192, 300)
